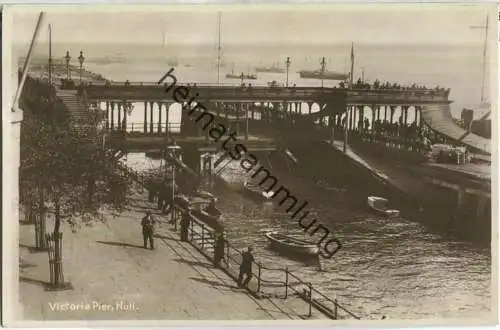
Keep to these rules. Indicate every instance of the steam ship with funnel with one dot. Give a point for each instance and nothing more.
(270, 69)
(327, 75)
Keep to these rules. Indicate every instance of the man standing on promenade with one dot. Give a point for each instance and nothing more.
(148, 224)
(246, 267)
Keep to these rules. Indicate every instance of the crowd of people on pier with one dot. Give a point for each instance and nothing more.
(377, 84)
(417, 137)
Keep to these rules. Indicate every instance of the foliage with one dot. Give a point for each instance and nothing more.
(68, 163)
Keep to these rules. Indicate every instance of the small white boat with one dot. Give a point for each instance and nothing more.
(292, 244)
(257, 193)
(381, 205)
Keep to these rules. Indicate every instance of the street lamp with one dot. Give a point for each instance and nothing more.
(172, 150)
(323, 66)
(81, 59)
(288, 62)
(67, 58)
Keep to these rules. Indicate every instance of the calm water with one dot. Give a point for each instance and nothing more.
(390, 267)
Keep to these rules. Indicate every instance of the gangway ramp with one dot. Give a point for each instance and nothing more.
(438, 117)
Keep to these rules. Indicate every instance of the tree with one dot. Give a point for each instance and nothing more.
(62, 159)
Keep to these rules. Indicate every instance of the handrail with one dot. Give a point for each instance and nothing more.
(230, 256)
(209, 233)
(259, 88)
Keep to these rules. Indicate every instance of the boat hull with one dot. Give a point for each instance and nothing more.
(325, 76)
(270, 70)
(255, 195)
(277, 243)
(379, 205)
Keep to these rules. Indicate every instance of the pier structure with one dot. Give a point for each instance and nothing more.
(270, 119)
(245, 109)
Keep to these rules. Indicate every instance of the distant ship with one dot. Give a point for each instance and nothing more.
(172, 62)
(270, 69)
(233, 75)
(327, 75)
(241, 76)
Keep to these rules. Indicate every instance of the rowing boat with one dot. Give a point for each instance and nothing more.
(291, 244)
(381, 205)
(257, 193)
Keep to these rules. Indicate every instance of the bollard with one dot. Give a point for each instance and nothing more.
(336, 310)
(185, 227)
(258, 276)
(286, 282)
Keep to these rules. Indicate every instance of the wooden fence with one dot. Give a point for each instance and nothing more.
(54, 242)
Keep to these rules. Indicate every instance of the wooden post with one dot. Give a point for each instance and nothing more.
(258, 276)
(310, 298)
(145, 117)
(159, 117)
(202, 236)
(107, 115)
(151, 124)
(286, 282)
(112, 116)
(192, 232)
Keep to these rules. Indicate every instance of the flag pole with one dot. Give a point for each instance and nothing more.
(27, 62)
(346, 127)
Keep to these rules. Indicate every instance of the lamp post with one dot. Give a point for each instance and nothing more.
(172, 150)
(323, 67)
(288, 62)
(67, 58)
(81, 58)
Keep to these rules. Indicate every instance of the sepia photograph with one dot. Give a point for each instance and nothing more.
(310, 163)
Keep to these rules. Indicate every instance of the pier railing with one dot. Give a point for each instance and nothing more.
(270, 281)
(264, 281)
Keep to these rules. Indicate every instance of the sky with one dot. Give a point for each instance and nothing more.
(329, 24)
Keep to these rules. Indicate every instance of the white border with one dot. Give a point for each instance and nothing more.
(10, 184)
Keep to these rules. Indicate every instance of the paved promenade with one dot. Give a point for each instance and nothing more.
(118, 279)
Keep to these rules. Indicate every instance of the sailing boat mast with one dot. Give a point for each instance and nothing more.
(218, 46)
(485, 49)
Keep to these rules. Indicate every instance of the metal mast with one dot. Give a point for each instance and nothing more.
(218, 46)
(351, 77)
(50, 54)
(485, 49)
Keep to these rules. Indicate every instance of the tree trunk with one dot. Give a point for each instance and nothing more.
(91, 190)
(42, 226)
(58, 273)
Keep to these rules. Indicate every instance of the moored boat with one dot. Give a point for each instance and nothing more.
(212, 219)
(257, 193)
(292, 244)
(381, 205)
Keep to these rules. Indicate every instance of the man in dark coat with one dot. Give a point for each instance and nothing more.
(246, 267)
(148, 226)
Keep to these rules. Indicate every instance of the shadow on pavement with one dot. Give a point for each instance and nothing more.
(195, 263)
(33, 249)
(121, 244)
(33, 281)
(216, 283)
(166, 237)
